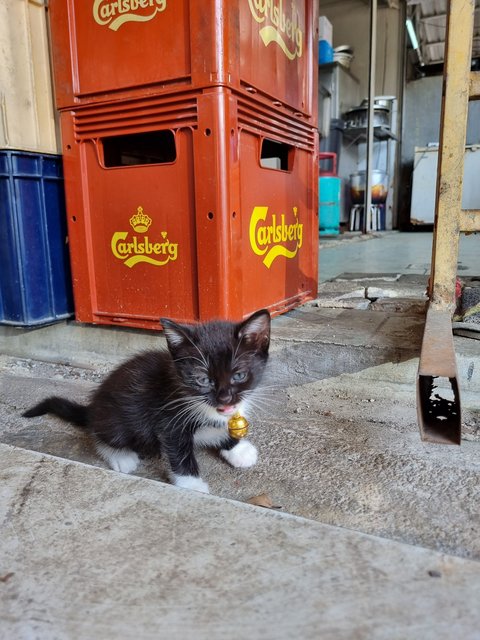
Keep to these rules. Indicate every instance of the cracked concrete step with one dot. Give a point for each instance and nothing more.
(338, 436)
(88, 553)
(395, 292)
(344, 450)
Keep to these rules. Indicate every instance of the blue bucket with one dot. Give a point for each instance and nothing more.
(325, 52)
(329, 205)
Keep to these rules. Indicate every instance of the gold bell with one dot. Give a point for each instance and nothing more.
(237, 426)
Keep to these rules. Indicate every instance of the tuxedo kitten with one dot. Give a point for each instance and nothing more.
(173, 401)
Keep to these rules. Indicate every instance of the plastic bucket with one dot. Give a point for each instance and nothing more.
(325, 52)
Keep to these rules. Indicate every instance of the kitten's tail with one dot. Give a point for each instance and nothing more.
(70, 411)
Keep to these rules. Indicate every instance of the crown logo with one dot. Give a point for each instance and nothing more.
(140, 221)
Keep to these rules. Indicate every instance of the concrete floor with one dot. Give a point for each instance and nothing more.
(374, 534)
(406, 253)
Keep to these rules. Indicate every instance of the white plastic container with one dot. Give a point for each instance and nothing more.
(325, 40)
(325, 30)
(424, 185)
(27, 112)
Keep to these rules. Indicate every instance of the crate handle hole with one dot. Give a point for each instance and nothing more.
(153, 147)
(276, 155)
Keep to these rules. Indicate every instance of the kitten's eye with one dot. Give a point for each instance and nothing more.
(203, 381)
(240, 376)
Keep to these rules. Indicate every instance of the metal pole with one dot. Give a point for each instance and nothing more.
(438, 393)
(370, 128)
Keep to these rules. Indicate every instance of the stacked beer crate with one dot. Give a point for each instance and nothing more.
(189, 133)
(35, 286)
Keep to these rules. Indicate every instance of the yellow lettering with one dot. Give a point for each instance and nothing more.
(269, 240)
(278, 25)
(259, 213)
(139, 250)
(173, 250)
(115, 13)
(119, 235)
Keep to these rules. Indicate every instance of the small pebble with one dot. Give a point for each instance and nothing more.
(434, 573)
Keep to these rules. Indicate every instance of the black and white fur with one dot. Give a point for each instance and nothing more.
(176, 400)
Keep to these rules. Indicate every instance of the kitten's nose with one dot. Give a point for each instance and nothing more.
(225, 397)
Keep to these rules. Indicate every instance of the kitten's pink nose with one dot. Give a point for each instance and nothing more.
(227, 409)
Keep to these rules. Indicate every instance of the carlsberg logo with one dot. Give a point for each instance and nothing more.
(132, 249)
(279, 25)
(272, 235)
(114, 13)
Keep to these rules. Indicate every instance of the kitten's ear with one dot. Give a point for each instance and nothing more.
(255, 330)
(176, 334)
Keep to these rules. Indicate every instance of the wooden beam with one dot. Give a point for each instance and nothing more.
(470, 220)
(456, 78)
(474, 85)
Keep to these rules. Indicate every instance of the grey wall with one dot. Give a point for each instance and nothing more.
(421, 125)
(421, 116)
(351, 25)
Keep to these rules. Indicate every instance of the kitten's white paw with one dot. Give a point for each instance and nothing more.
(122, 460)
(190, 482)
(243, 454)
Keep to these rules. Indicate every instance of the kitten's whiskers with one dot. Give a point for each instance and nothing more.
(192, 410)
(261, 398)
(202, 355)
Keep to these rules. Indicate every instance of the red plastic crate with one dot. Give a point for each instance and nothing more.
(202, 230)
(106, 50)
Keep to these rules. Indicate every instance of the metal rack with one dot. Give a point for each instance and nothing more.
(372, 221)
(360, 134)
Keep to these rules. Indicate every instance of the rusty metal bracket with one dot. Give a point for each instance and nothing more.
(438, 394)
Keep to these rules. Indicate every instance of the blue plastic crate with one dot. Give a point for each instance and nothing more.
(35, 281)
